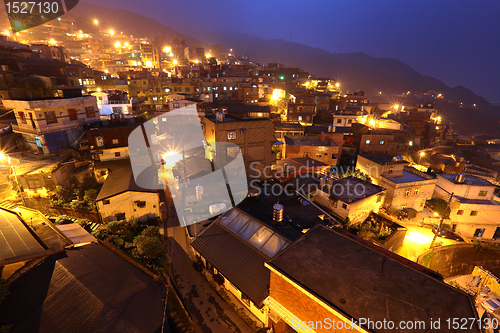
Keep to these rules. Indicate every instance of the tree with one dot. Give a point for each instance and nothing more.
(147, 246)
(4, 289)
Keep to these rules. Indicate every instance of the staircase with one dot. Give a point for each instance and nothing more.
(8, 204)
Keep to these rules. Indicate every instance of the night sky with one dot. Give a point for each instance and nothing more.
(456, 41)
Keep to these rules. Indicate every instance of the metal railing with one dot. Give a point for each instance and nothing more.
(47, 128)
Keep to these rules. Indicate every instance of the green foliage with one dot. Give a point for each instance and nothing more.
(358, 174)
(101, 233)
(4, 289)
(63, 219)
(437, 205)
(371, 230)
(90, 195)
(60, 197)
(77, 204)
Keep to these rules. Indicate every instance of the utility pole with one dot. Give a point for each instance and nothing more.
(445, 214)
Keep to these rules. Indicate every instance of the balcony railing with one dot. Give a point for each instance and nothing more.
(125, 101)
(47, 128)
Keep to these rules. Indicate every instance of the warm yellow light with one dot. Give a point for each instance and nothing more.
(380, 93)
(422, 153)
(167, 49)
(396, 107)
(111, 32)
(52, 41)
(80, 35)
(117, 44)
(96, 22)
(208, 55)
(2, 156)
(6, 32)
(436, 214)
(106, 71)
(171, 158)
(438, 118)
(99, 89)
(175, 62)
(196, 61)
(372, 122)
(126, 44)
(337, 85)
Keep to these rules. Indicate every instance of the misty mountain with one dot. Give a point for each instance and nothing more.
(355, 71)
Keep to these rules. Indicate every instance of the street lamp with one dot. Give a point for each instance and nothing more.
(96, 22)
(2, 156)
(422, 153)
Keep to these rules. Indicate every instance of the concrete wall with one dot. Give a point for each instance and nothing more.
(455, 260)
(357, 211)
(124, 203)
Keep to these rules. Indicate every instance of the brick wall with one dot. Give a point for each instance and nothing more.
(300, 304)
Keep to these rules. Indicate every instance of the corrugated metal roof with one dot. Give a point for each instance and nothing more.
(239, 262)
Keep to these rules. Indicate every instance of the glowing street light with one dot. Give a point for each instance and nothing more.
(3, 156)
(175, 62)
(422, 153)
(208, 55)
(372, 122)
(396, 107)
(167, 49)
(126, 44)
(52, 41)
(96, 22)
(117, 44)
(6, 32)
(111, 32)
(337, 85)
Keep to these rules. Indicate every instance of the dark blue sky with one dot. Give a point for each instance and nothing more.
(456, 41)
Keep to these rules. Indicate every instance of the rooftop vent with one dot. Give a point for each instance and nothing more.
(460, 178)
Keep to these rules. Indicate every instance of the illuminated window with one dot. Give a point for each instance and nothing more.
(99, 141)
(367, 142)
(300, 118)
(482, 193)
(416, 191)
(22, 117)
(479, 232)
(407, 193)
(231, 135)
(382, 142)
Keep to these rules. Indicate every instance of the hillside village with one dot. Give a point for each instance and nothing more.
(355, 208)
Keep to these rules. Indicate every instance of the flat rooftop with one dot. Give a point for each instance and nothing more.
(382, 158)
(298, 214)
(406, 177)
(361, 282)
(469, 180)
(299, 142)
(351, 189)
(15, 238)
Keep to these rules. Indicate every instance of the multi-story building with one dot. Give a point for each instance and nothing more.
(325, 147)
(110, 103)
(406, 187)
(253, 136)
(474, 209)
(301, 108)
(327, 278)
(50, 124)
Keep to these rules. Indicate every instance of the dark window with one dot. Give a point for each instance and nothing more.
(105, 202)
(460, 212)
(473, 213)
(72, 114)
(117, 154)
(50, 117)
(306, 154)
(140, 204)
(344, 206)
(120, 216)
(339, 121)
(379, 198)
(479, 232)
(482, 193)
(89, 110)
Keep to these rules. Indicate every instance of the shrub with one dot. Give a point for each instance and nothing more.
(63, 219)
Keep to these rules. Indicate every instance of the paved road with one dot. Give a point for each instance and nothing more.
(212, 313)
